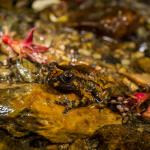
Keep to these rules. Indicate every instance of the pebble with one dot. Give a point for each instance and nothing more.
(125, 102)
(124, 114)
(113, 101)
(126, 108)
(120, 108)
(120, 98)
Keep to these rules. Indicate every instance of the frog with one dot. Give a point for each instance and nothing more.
(91, 85)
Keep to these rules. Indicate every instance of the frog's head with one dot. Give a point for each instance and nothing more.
(61, 79)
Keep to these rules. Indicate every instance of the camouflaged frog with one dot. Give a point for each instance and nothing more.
(89, 84)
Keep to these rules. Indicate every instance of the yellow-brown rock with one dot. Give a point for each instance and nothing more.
(30, 108)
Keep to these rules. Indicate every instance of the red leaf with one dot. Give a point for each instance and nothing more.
(28, 43)
(39, 48)
(29, 39)
(7, 40)
(26, 47)
(141, 97)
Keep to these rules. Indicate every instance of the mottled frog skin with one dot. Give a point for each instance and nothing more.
(89, 84)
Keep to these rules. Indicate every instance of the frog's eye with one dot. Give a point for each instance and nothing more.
(67, 76)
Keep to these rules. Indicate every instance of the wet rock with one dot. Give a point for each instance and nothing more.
(142, 79)
(111, 59)
(4, 74)
(79, 145)
(33, 109)
(123, 137)
(119, 22)
(116, 22)
(144, 64)
(147, 53)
